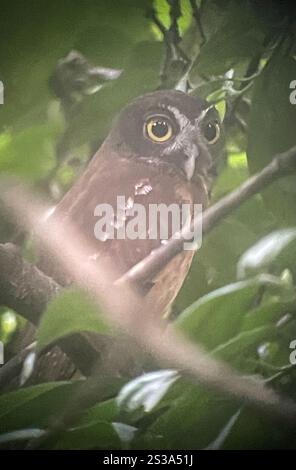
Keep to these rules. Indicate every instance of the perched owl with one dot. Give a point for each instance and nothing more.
(163, 148)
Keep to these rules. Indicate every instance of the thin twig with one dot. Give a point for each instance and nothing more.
(175, 14)
(196, 15)
(220, 80)
(175, 58)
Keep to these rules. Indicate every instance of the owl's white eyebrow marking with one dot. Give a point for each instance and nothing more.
(182, 120)
(184, 137)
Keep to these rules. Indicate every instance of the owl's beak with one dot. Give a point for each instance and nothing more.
(190, 161)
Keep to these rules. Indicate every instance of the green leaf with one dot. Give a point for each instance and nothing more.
(47, 32)
(253, 430)
(106, 411)
(241, 350)
(70, 312)
(223, 434)
(97, 428)
(278, 248)
(268, 313)
(21, 435)
(218, 316)
(237, 40)
(190, 421)
(272, 130)
(140, 75)
(99, 435)
(30, 153)
(232, 175)
(145, 392)
(221, 108)
(34, 407)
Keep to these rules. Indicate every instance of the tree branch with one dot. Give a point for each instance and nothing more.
(281, 165)
(23, 287)
(196, 15)
(176, 62)
(27, 290)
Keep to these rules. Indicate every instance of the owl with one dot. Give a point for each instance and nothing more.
(163, 148)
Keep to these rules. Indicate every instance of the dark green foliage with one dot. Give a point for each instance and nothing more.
(239, 300)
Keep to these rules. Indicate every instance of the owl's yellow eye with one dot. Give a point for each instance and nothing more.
(212, 132)
(159, 129)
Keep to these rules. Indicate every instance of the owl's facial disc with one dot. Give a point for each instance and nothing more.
(169, 128)
(199, 139)
(190, 140)
(184, 149)
(177, 141)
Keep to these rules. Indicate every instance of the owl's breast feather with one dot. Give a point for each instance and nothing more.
(110, 176)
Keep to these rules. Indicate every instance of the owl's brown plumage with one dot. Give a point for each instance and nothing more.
(110, 175)
(131, 164)
(162, 149)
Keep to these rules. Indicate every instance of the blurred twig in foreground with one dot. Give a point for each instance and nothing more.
(122, 305)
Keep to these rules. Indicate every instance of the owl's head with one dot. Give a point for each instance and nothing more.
(170, 128)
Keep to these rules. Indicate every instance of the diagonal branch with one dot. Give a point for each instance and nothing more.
(196, 15)
(280, 166)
